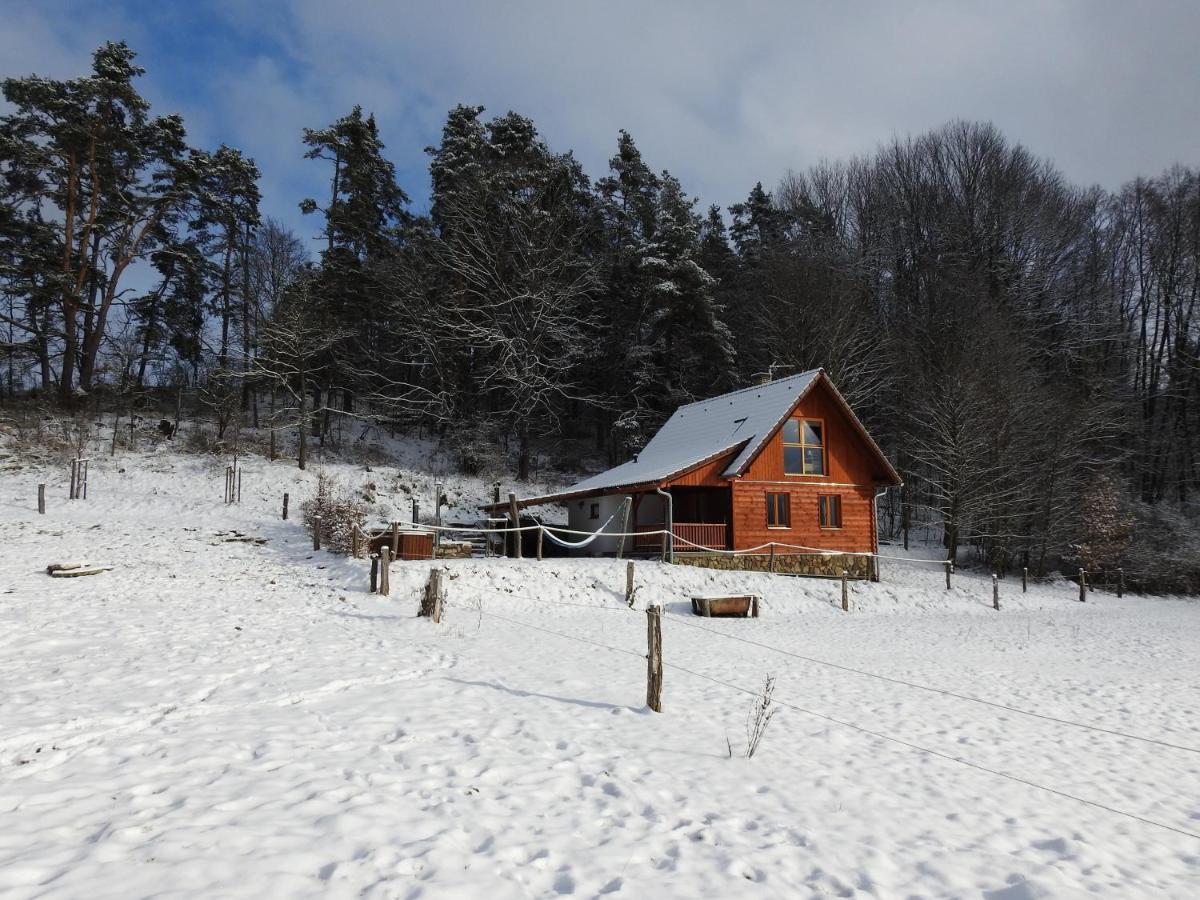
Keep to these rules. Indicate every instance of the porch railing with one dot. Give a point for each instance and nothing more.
(705, 534)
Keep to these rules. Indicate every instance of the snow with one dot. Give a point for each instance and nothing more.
(705, 430)
(226, 719)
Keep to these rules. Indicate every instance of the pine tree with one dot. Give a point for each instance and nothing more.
(366, 221)
(693, 347)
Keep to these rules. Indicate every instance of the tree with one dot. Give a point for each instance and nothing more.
(294, 345)
(523, 297)
(115, 177)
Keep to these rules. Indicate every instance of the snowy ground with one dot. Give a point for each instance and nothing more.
(221, 719)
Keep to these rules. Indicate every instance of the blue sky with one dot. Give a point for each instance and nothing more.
(722, 94)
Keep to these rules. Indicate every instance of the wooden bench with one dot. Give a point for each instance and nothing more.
(743, 605)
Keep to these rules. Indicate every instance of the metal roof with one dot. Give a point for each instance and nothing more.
(706, 430)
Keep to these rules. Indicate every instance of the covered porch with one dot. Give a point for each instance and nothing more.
(701, 520)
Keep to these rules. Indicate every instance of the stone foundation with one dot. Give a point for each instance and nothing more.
(785, 564)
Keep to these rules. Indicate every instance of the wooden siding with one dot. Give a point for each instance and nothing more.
(857, 533)
(849, 459)
(705, 475)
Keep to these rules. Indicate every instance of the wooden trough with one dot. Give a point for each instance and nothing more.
(739, 605)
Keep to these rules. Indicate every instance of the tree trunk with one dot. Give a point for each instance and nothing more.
(302, 430)
(523, 454)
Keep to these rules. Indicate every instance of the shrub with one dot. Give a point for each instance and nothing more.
(338, 508)
(1164, 556)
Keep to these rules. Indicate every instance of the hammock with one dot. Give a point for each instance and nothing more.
(576, 545)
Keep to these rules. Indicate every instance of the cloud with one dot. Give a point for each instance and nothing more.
(721, 94)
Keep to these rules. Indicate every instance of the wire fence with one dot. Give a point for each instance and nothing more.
(875, 732)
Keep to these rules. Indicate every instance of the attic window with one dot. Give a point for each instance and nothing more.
(804, 447)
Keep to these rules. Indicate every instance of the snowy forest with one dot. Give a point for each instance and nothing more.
(1025, 349)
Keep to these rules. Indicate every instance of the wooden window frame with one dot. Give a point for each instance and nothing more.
(779, 502)
(824, 448)
(823, 517)
(593, 511)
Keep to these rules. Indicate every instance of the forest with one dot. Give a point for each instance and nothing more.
(1025, 349)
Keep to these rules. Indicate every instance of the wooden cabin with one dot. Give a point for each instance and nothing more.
(786, 462)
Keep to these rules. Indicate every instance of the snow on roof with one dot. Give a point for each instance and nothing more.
(706, 430)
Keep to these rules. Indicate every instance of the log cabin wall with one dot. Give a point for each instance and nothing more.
(851, 472)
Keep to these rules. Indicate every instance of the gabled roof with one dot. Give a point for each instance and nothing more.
(705, 430)
(737, 424)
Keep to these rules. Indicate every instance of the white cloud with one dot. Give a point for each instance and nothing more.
(722, 94)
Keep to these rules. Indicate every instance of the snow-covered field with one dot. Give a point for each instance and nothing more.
(229, 720)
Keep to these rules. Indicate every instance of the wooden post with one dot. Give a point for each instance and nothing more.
(949, 567)
(1025, 580)
(1120, 581)
(541, 534)
(654, 675)
(385, 560)
(845, 591)
(666, 537)
(1082, 586)
(995, 591)
(285, 500)
(416, 509)
(85, 477)
(629, 584)
(754, 606)
(316, 532)
(771, 559)
(625, 526)
(354, 540)
(42, 500)
(374, 573)
(239, 499)
(395, 540)
(74, 471)
(431, 602)
(515, 517)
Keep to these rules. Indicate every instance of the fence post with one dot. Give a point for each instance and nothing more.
(239, 496)
(42, 500)
(385, 586)
(1025, 580)
(1082, 586)
(431, 602)
(948, 570)
(628, 504)
(845, 591)
(74, 471)
(85, 477)
(316, 532)
(395, 540)
(354, 540)
(654, 676)
(771, 559)
(1120, 582)
(541, 533)
(285, 501)
(666, 536)
(629, 584)
(374, 573)
(515, 516)
(995, 592)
